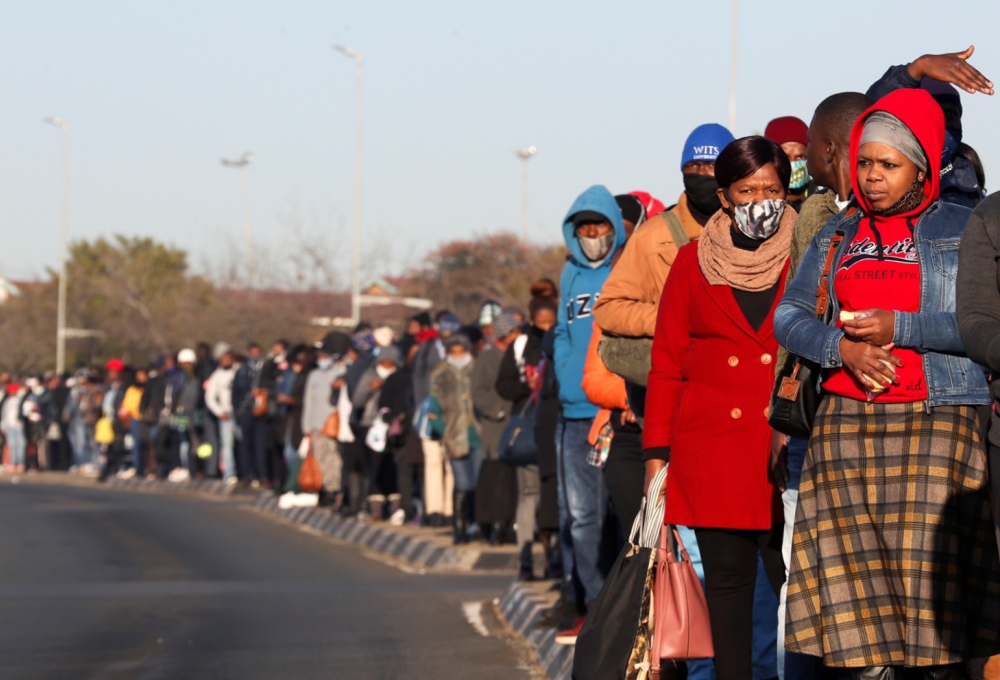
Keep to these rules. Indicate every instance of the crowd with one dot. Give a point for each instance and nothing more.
(866, 547)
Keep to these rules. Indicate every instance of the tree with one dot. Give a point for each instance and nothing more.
(460, 275)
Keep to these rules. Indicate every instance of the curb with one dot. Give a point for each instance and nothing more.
(520, 608)
(428, 552)
(215, 487)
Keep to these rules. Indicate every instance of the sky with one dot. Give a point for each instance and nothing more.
(156, 93)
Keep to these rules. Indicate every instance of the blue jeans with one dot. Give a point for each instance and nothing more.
(227, 430)
(466, 470)
(138, 447)
(582, 501)
(18, 445)
(792, 665)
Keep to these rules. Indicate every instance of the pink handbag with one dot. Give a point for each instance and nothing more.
(681, 628)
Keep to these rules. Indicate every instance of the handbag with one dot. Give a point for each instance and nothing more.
(310, 476)
(616, 638)
(681, 627)
(796, 396)
(518, 445)
(104, 431)
(331, 426)
(378, 433)
(630, 358)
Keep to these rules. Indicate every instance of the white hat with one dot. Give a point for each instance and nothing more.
(186, 356)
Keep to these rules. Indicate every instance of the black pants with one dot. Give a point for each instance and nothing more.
(625, 474)
(729, 557)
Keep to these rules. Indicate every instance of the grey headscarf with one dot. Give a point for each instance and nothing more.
(886, 129)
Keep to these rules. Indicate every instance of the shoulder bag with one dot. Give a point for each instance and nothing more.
(796, 397)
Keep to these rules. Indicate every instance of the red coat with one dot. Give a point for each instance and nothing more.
(707, 399)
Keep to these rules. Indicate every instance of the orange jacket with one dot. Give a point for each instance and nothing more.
(602, 387)
(631, 294)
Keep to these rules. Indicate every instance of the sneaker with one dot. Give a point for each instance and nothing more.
(232, 481)
(398, 518)
(568, 636)
(178, 475)
(286, 500)
(126, 474)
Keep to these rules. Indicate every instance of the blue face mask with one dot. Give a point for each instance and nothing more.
(800, 176)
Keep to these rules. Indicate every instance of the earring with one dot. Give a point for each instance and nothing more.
(920, 176)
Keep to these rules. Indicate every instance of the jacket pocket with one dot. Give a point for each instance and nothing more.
(944, 257)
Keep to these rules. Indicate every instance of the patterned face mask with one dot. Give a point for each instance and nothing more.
(760, 219)
(800, 176)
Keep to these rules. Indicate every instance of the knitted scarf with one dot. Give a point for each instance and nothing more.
(723, 264)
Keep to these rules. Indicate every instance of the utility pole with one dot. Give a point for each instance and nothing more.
(63, 229)
(243, 163)
(525, 155)
(356, 260)
(733, 58)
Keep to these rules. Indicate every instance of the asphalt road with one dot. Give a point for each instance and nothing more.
(108, 584)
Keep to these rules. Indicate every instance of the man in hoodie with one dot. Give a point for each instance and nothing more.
(593, 232)
(219, 400)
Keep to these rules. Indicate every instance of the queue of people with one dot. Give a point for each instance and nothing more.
(868, 547)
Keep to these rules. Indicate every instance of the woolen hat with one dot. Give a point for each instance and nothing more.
(391, 353)
(488, 312)
(631, 207)
(116, 365)
(504, 325)
(705, 143)
(787, 129)
(458, 339)
(589, 217)
(335, 344)
(186, 356)
(449, 323)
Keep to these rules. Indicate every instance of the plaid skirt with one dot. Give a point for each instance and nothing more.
(895, 559)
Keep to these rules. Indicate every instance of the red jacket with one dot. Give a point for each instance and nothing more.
(707, 400)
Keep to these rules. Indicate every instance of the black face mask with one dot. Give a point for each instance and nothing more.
(701, 193)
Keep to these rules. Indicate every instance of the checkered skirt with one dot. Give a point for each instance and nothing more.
(895, 559)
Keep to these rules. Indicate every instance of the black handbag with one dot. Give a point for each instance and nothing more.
(796, 396)
(518, 445)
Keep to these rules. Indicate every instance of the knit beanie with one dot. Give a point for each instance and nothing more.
(488, 312)
(504, 325)
(631, 207)
(787, 129)
(449, 323)
(705, 143)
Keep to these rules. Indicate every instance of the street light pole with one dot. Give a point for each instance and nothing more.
(356, 260)
(525, 155)
(243, 163)
(63, 229)
(733, 55)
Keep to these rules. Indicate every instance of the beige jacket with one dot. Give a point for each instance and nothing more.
(631, 294)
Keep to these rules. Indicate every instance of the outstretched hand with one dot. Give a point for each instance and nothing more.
(953, 68)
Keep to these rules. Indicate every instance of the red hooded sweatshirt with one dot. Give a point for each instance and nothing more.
(879, 269)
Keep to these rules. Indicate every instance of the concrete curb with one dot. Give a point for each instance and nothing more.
(520, 608)
(412, 546)
(215, 487)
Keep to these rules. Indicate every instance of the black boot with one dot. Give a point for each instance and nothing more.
(953, 671)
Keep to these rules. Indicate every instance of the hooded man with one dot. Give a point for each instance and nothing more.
(318, 404)
(219, 400)
(594, 232)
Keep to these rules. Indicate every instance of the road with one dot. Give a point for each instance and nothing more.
(110, 584)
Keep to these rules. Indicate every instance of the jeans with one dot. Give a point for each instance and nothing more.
(792, 665)
(18, 445)
(226, 435)
(582, 500)
(138, 446)
(466, 470)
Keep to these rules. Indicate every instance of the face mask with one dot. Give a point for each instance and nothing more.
(596, 249)
(908, 202)
(760, 219)
(384, 372)
(38, 390)
(800, 176)
(702, 193)
(460, 362)
(324, 363)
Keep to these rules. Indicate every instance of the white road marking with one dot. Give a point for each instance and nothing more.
(474, 615)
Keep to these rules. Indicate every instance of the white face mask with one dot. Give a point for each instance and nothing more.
(384, 372)
(460, 361)
(324, 363)
(595, 249)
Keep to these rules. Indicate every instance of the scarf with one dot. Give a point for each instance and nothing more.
(723, 264)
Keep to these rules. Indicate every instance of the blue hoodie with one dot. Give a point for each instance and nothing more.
(581, 284)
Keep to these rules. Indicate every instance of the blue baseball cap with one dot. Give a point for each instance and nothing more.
(705, 143)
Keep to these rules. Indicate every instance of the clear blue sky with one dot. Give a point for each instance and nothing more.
(157, 92)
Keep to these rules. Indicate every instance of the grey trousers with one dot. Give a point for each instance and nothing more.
(528, 488)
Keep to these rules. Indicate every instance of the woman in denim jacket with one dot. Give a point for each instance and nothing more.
(894, 559)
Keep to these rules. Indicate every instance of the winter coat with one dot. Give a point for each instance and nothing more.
(581, 284)
(492, 410)
(452, 389)
(429, 355)
(219, 393)
(318, 402)
(707, 399)
(631, 294)
(604, 388)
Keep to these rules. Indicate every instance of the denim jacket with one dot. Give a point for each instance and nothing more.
(952, 378)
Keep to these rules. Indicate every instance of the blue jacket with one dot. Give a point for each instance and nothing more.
(952, 378)
(581, 284)
(959, 184)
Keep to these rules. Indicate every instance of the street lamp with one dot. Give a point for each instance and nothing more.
(524, 155)
(63, 228)
(356, 260)
(733, 58)
(243, 163)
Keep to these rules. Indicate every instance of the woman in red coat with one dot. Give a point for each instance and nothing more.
(709, 388)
